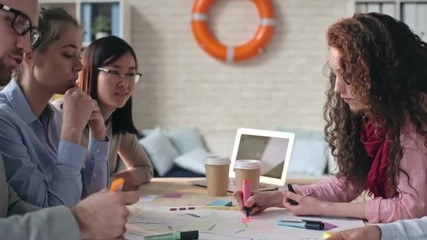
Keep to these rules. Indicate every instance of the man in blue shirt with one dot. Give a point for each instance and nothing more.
(100, 216)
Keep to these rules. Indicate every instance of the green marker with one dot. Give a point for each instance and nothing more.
(188, 235)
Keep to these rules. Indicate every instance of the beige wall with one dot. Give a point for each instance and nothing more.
(183, 86)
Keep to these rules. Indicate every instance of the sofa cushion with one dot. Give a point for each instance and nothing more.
(193, 160)
(185, 139)
(177, 171)
(309, 154)
(160, 150)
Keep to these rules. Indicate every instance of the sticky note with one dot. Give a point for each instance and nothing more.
(219, 202)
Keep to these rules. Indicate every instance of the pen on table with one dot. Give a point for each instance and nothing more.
(307, 224)
(117, 185)
(246, 193)
(187, 235)
(291, 189)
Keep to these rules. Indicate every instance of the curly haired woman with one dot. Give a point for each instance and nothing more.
(376, 119)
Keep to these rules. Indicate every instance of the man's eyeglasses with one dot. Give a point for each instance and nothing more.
(21, 23)
(127, 76)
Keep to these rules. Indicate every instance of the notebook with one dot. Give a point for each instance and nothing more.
(272, 148)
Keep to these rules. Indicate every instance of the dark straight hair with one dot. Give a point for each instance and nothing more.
(99, 53)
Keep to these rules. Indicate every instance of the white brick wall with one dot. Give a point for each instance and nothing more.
(183, 86)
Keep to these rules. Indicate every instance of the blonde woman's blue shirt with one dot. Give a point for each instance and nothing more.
(43, 169)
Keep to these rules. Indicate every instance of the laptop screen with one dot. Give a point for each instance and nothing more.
(272, 148)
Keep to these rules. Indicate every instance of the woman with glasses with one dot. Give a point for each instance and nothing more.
(109, 75)
(41, 149)
(376, 125)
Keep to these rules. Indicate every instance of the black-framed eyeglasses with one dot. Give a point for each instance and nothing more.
(21, 23)
(127, 76)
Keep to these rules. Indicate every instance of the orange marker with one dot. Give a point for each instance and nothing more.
(117, 185)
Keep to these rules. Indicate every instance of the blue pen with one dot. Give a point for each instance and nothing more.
(307, 224)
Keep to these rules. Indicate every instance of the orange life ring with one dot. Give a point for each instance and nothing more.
(230, 54)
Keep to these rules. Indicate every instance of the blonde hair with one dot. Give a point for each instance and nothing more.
(51, 22)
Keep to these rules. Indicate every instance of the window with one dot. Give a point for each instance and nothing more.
(413, 13)
(380, 7)
(99, 20)
(97, 17)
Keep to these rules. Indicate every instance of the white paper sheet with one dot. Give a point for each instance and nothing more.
(223, 224)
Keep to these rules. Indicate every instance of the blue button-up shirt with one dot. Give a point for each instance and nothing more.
(43, 169)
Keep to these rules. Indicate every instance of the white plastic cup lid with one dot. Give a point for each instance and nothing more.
(247, 164)
(217, 160)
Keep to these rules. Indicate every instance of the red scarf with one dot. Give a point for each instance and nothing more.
(376, 146)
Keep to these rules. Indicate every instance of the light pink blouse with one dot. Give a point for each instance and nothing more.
(412, 198)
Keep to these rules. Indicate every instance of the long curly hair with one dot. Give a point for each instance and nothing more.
(385, 64)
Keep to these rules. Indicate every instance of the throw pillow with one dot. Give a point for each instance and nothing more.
(193, 160)
(148, 131)
(309, 154)
(160, 150)
(185, 139)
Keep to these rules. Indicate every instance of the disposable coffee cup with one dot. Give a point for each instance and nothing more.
(247, 169)
(217, 169)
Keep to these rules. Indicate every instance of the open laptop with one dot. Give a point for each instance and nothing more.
(272, 148)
